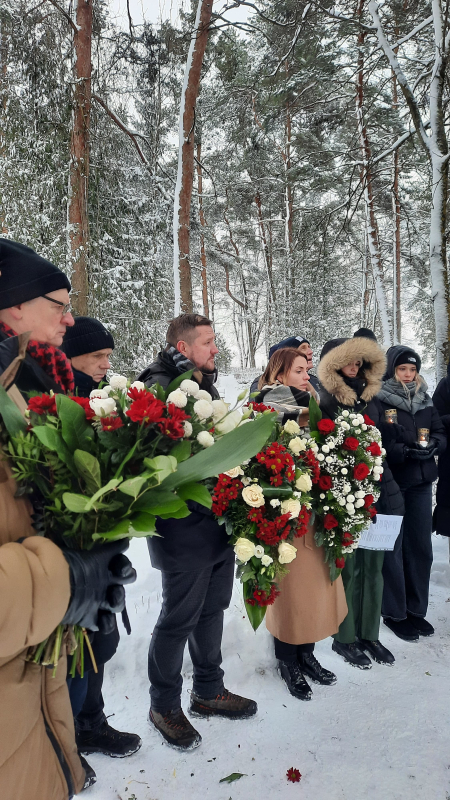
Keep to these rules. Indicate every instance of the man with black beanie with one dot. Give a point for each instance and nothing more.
(88, 345)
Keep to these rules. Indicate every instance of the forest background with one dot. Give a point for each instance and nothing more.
(284, 172)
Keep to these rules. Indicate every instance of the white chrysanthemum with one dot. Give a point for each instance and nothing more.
(378, 461)
(345, 413)
(291, 426)
(204, 395)
(345, 426)
(178, 398)
(220, 408)
(259, 550)
(102, 407)
(235, 472)
(190, 387)
(266, 560)
(341, 501)
(253, 495)
(275, 503)
(297, 445)
(326, 508)
(101, 394)
(303, 483)
(359, 503)
(322, 496)
(118, 382)
(187, 428)
(205, 439)
(350, 508)
(344, 470)
(360, 494)
(203, 409)
(244, 549)
(291, 506)
(229, 423)
(350, 498)
(383, 451)
(320, 457)
(364, 427)
(286, 553)
(329, 459)
(325, 448)
(139, 385)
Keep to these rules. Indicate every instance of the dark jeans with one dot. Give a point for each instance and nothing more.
(192, 611)
(78, 687)
(406, 570)
(291, 652)
(363, 584)
(87, 700)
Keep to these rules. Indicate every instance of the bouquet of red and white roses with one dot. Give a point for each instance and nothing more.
(350, 455)
(265, 504)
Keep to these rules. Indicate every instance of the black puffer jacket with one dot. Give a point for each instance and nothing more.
(164, 370)
(441, 517)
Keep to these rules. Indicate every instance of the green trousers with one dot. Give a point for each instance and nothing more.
(363, 584)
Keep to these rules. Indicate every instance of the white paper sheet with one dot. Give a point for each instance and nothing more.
(382, 535)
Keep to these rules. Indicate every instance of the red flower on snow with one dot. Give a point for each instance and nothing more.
(360, 472)
(325, 482)
(368, 421)
(111, 423)
(374, 449)
(326, 425)
(293, 775)
(172, 426)
(147, 409)
(84, 403)
(340, 562)
(330, 522)
(44, 404)
(351, 443)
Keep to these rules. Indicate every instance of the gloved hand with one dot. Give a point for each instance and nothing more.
(97, 578)
(393, 432)
(432, 447)
(418, 454)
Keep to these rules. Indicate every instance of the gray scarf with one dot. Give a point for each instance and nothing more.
(411, 397)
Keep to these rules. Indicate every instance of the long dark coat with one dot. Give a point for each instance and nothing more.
(441, 517)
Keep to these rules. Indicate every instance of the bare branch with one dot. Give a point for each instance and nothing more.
(65, 14)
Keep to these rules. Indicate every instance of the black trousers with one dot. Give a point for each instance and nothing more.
(406, 569)
(291, 652)
(91, 716)
(192, 612)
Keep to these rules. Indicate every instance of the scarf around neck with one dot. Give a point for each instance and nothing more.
(53, 361)
(408, 398)
(183, 364)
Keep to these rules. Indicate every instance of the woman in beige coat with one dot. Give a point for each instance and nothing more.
(310, 607)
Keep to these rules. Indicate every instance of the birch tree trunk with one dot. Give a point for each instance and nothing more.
(185, 174)
(77, 212)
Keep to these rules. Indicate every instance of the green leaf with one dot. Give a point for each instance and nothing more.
(133, 486)
(143, 523)
(157, 502)
(89, 468)
(186, 376)
(125, 461)
(255, 613)
(112, 484)
(158, 391)
(233, 777)
(180, 513)
(76, 431)
(315, 414)
(75, 502)
(182, 451)
(52, 439)
(276, 491)
(196, 492)
(162, 466)
(230, 451)
(12, 417)
(120, 531)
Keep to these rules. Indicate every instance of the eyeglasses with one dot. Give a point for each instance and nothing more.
(66, 307)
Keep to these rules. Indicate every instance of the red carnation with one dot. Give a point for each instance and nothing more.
(136, 394)
(146, 409)
(351, 443)
(326, 425)
(293, 775)
(374, 449)
(368, 421)
(347, 539)
(340, 562)
(325, 482)
(111, 423)
(173, 425)
(360, 472)
(368, 500)
(330, 522)
(85, 404)
(42, 404)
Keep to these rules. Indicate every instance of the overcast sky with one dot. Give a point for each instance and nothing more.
(155, 10)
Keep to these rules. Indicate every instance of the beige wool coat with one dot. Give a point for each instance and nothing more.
(309, 607)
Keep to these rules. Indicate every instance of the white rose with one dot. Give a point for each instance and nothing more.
(190, 387)
(204, 395)
(325, 448)
(320, 457)
(219, 409)
(139, 385)
(178, 398)
(303, 483)
(253, 495)
(205, 439)
(102, 394)
(275, 503)
(102, 407)
(266, 560)
(291, 426)
(286, 553)
(244, 549)
(297, 445)
(203, 409)
(118, 382)
(234, 473)
(187, 428)
(259, 551)
(291, 506)
(359, 503)
(230, 422)
(345, 413)
(350, 498)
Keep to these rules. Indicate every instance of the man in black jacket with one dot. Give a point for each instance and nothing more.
(197, 567)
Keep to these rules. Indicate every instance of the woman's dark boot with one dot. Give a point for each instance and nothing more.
(403, 629)
(311, 667)
(353, 654)
(291, 673)
(422, 626)
(377, 651)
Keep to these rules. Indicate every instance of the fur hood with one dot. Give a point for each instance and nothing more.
(345, 353)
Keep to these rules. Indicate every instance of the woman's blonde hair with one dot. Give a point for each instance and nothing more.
(417, 377)
(279, 364)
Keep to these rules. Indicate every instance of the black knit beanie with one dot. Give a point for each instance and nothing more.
(365, 333)
(24, 275)
(291, 341)
(330, 346)
(87, 336)
(408, 357)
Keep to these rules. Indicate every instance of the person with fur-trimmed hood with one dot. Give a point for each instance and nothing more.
(407, 568)
(350, 373)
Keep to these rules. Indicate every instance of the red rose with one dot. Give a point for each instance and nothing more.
(325, 482)
(351, 443)
(111, 423)
(293, 775)
(374, 449)
(84, 403)
(330, 522)
(360, 472)
(372, 511)
(367, 420)
(146, 409)
(326, 425)
(347, 539)
(340, 562)
(368, 500)
(42, 404)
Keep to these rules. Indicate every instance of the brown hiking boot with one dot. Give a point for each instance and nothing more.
(226, 704)
(176, 729)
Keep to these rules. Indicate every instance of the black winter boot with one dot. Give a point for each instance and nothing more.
(422, 626)
(225, 704)
(403, 629)
(108, 741)
(311, 667)
(91, 777)
(176, 729)
(292, 675)
(353, 654)
(377, 651)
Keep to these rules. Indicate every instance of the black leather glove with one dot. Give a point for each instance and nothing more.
(97, 578)
(418, 454)
(432, 447)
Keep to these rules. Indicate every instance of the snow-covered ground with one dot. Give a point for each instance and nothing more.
(380, 734)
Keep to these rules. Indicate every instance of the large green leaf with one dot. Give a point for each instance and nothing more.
(89, 469)
(75, 502)
(276, 491)
(51, 438)
(162, 466)
(120, 531)
(182, 451)
(158, 502)
(108, 487)
(315, 414)
(228, 452)
(76, 431)
(196, 492)
(143, 523)
(255, 613)
(133, 486)
(12, 417)
(176, 382)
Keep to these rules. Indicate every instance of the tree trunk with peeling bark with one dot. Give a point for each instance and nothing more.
(202, 235)
(77, 213)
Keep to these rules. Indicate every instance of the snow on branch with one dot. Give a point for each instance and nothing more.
(415, 30)
(294, 41)
(65, 14)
